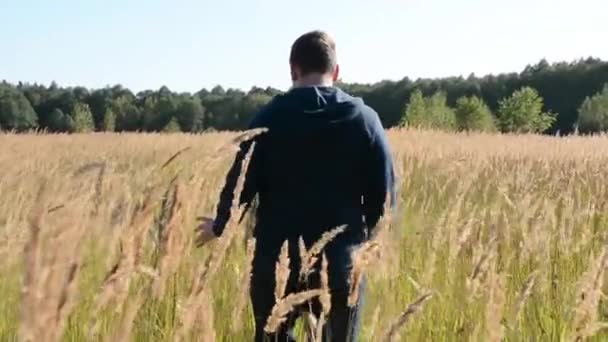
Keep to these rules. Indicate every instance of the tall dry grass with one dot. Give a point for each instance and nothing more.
(494, 238)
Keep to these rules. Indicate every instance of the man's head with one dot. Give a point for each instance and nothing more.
(313, 59)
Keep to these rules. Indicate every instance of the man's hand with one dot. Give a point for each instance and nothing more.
(204, 232)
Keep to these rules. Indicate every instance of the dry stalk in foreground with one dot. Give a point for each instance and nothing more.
(324, 299)
(231, 226)
(309, 258)
(174, 156)
(362, 258)
(392, 333)
(586, 318)
(474, 281)
(204, 322)
(525, 293)
(282, 272)
(196, 299)
(115, 288)
(495, 307)
(245, 281)
(317, 327)
(171, 243)
(32, 269)
(234, 144)
(123, 333)
(51, 274)
(374, 322)
(283, 307)
(460, 242)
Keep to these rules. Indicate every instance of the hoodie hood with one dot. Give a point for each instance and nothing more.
(329, 104)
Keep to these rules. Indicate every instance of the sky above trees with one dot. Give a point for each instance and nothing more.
(190, 44)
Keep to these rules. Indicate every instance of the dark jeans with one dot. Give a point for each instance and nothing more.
(342, 324)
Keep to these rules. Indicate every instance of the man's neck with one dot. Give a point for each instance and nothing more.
(314, 80)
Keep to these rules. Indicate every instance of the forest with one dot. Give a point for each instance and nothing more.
(547, 98)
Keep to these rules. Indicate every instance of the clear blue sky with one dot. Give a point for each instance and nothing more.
(188, 45)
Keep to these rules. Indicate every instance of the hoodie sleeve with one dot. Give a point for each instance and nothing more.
(380, 180)
(250, 186)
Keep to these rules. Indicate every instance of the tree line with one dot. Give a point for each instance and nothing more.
(544, 97)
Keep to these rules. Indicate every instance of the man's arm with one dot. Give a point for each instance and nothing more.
(250, 185)
(380, 185)
(227, 194)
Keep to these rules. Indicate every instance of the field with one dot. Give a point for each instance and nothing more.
(506, 233)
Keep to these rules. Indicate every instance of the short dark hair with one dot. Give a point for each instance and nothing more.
(314, 52)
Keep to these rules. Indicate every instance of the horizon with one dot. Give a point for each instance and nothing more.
(189, 45)
(268, 86)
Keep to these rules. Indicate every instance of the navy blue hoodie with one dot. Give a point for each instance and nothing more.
(324, 162)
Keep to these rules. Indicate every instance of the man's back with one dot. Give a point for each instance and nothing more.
(316, 166)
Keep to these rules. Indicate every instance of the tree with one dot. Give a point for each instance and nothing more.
(415, 110)
(109, 121)
(57, 121)
(16, 112)
(250, 105)
(172, 127)
(593, 113)
(83, 119)
(128, 114)
(218, 90)
(472, 114)
(443, 116)
(522, 112)
(99, 101)
(158, 109)
(563, 86)
(69, 124)
(190, 114)
(429, 112)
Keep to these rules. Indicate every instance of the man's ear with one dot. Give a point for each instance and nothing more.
(294, 72)
(336, 74)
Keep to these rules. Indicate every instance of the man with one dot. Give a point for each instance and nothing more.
(324, 162)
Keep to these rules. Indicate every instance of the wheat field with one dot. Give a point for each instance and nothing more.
(495, 237)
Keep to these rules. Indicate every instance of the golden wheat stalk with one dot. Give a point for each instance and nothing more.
(523, 296)
(51, 274)
(374, 322)
(283, 307)
(392, 334)
(174, 156)
(115, 288)
(480, 269)
(586, 319)
(188, 311)
(282, 272)
(362, 258)
(67, 298)
(195, 299)
(205, 320)
(320, 324)
(171, 244)
(460, 242)
(235, 143)
(495, 307)
(123, 334)
(231, 226)
(245, 282)
(32, 270)
(309, 258)
(325, 297)
(316, 328)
